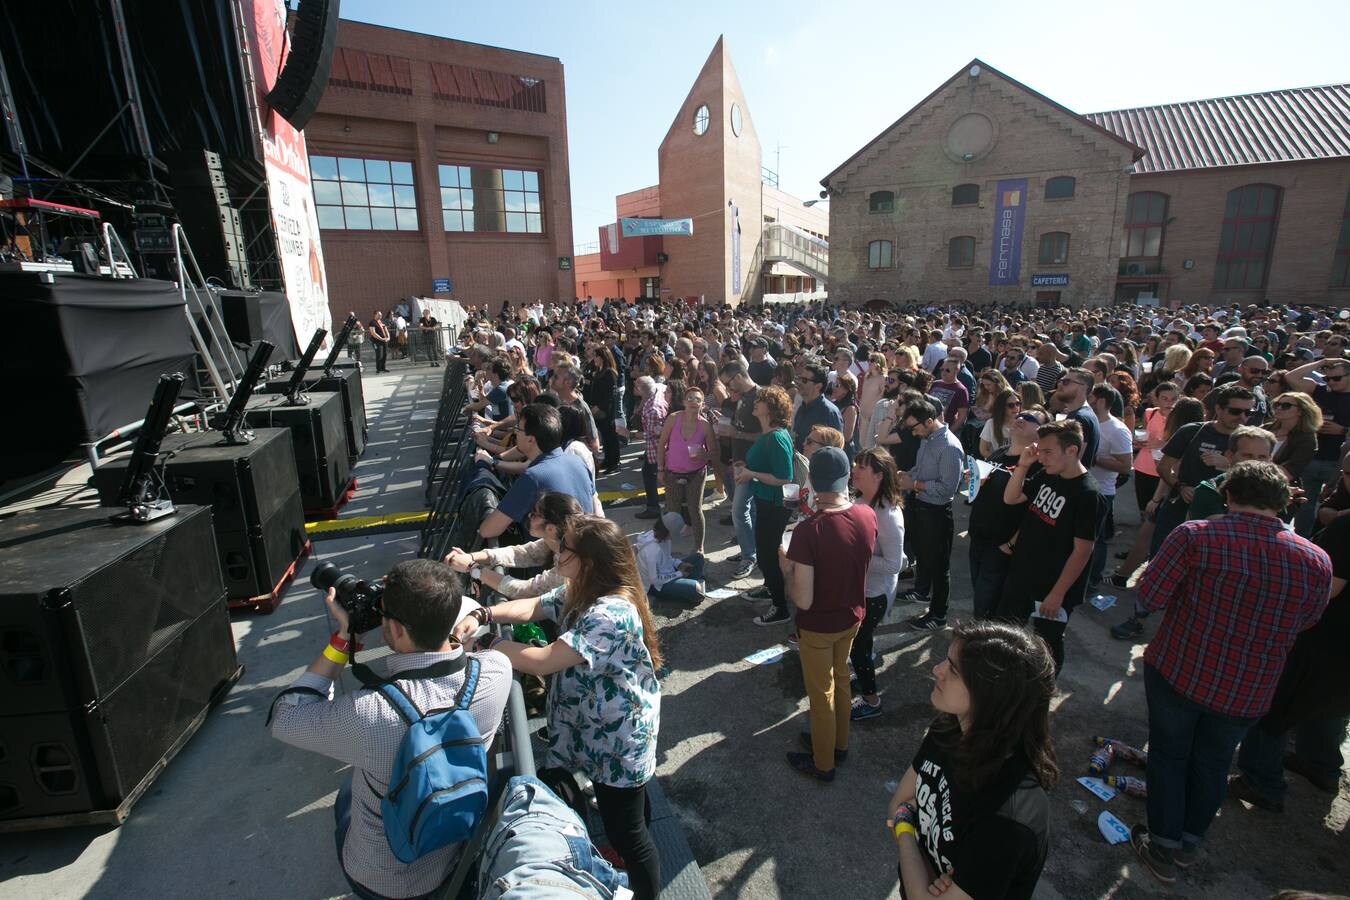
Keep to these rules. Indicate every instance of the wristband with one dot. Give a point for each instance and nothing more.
(335, 656)
(340, 645)
(905, 827)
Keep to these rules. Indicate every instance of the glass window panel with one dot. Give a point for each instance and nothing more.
(327, 192)
(532, 181)
(452, 220)
(1226, 239)
(407, 219)
(323, 167)
(1255, 271)
(330, 217)
(466, 198)
(1244, 239)
(354, 194)
(358, 218)
(380, 194)
(464, 178)
(382, 218)
(377, 170)
(351, 169)
(515, 201)
(531, 202)
(1266, 202)
(515, 222)
(1247, 201)
(873, 255)
(448, 175)
(402, 172)
(404, 195)
(1230, 209)
(534, 223)
(513, 179)
(468, 220)
(885, 254)
(1261, 237)
(1152, 242)
(1157, 207)
(449, 198)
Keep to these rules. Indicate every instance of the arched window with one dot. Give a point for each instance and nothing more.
(965, 195)
(1054, 248)
(1247, 235)
(1145, 221)
(961, 252)
(881, 201)
(879, 255)
(1060, 187)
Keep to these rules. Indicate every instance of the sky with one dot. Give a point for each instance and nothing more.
(822, 79)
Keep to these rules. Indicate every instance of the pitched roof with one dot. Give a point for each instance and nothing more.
(1275, 126)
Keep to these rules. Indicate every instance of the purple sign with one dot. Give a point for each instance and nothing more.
(1005, 256)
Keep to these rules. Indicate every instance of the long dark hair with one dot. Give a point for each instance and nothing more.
(1010, 677)
(557, 509)
(607, 568)
(880, 461)
(998, 412)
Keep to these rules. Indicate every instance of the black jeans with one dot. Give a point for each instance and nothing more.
(770, 519)
(381, 349)
(650, 483)
(609, 441)
(988, 570)
(1018, 603)
(933, 530)
(625, 813)
(861, 653)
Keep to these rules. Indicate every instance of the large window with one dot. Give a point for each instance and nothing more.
(879, 255)
(961, 252)
(479, 199)
(1246, 238)
(1145, 220)
(965, 195)
(364, 194)
(1054, 248)
(1340, 266)
(1061, 187)
(881, 201)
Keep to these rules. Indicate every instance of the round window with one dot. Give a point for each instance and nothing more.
(701, 119)
(736, 119)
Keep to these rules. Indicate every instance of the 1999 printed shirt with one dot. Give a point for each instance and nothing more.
(604, 715)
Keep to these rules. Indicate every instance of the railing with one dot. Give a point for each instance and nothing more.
(783, 243)
(216, 353)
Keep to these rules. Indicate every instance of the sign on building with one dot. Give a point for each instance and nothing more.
(1057, 280)
(1005, 255)
(440, 285)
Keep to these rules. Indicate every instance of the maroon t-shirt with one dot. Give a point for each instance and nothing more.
(839, 545)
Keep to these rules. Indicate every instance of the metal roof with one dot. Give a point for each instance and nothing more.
(1249, 129)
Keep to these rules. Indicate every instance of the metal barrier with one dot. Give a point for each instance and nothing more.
(451, 447)
(453, 396)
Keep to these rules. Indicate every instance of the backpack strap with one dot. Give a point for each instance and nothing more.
(470, 685)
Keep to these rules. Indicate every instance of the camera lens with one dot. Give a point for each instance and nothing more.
(324, 576)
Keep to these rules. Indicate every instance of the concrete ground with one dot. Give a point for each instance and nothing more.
(239, 815)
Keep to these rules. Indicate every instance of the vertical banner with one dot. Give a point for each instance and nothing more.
(1005, 256)
(736, 251)
(295, 222)
(612, 237)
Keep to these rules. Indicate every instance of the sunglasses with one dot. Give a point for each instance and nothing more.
(1335, 377)
(1283, 404)
(1238, 410)
(1029, 417)
(1258, 371)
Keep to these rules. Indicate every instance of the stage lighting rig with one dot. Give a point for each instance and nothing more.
(231, 423)
(338, 344)
(295, 389)
(143, 492)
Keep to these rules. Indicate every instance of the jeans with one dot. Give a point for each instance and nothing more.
(625, 812)
(933, 532)
(743, 519)
(770, 520)
(342, 814)
(381, 349)
(685, 589)
(689, 495)
(1097, 566)
(988, 571)
(825, 674)
(1169, 515)
(861, 654)
(1318, 474)
(1317, 744)
(650, 484)
(1189, 752)
(353, 351)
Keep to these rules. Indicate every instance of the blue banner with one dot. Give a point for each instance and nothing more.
(1010, 209)
(652, 227)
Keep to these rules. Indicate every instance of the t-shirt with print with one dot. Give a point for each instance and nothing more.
(1059, 510)
(838, 546)
(954, 397)
(1189, 444)
(603, 715)
(993, 840)
(743, 420)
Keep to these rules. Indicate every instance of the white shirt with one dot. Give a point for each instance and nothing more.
(932, 355)
(1115, 439)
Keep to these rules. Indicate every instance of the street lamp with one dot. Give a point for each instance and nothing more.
(813, 202)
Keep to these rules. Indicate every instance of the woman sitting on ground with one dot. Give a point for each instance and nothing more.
(552, 513)
(971, 815)
(665, 577)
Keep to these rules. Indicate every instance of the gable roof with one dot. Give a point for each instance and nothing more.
(962, 73)
(1247, 129)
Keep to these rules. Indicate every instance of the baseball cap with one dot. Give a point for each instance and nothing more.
(829, 470)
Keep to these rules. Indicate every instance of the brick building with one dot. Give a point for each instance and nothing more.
(988, 191)
(440, 159)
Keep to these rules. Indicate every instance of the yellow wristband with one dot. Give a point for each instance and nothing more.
(336, 656)
(902, 827)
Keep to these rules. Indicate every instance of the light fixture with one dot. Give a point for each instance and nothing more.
(967, 156)
(493, 137)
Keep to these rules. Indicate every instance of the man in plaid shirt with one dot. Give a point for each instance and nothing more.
(1235, 592)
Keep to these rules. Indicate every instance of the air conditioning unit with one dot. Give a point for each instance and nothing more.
(1136, 268)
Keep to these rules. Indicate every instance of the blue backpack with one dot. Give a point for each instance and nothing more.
(438, 788)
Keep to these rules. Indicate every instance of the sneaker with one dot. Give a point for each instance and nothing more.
(1186, 855)
(793, 640)
(927, 622)
(760, 593)
(1128, 630)
(650, 512)
(773, 617)
(744, 570)
(718, 498)
(1118, 580)
(737, 558)
(804, 738)
(911, 597)
(803, 763)
(864, 710)
(1323, 783)
(1161, 861)
(1239, 788)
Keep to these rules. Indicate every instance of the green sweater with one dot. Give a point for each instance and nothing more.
(771, 453)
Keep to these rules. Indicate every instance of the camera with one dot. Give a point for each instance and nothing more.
(361, 600)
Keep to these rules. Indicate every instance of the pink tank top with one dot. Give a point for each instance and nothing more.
(677, 450)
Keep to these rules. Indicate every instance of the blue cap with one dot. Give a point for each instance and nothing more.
(829, 470)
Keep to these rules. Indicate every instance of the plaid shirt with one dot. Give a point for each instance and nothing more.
(653, 418)
(1237, 591)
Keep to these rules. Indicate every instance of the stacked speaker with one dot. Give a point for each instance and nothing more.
(213, 228)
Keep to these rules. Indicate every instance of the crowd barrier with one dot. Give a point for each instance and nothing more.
(452, 447)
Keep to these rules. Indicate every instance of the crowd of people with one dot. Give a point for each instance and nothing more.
(867, 429)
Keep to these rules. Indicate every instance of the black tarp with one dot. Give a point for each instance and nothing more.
(83, 357)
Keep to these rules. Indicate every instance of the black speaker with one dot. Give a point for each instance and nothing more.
(254, 494)
(114, 642)
(303, 78)
(346, 383)
(320, 440)
(202, 201)
(242, 314)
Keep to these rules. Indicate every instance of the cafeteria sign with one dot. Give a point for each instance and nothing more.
(654, 227)
(1049, 280)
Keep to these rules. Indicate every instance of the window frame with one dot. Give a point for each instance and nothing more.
(1041, 259)
(952, 245)
(1073, 187)
(1340, 259)
(1237, 221)
(874, 206)
(508, 193)
(882, 244)
(1142, 228)
(969, 184)
(401, 188)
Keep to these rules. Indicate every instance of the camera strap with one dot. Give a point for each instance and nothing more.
(364, 674)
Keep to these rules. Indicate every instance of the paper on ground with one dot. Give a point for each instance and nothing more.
(767, 655)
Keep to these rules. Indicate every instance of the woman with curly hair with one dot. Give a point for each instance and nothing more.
(768, 466)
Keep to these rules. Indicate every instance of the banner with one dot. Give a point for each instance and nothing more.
(653, 227)
(735, 251)
(295, 222)
(612, 237)
(1005, 255)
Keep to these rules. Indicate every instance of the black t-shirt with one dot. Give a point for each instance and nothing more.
(994, 840)
(1332, 631)
(1189, 443)
(1058, 511)
(1335, 408)
(990, 518)
(744, 420)
(981, 359)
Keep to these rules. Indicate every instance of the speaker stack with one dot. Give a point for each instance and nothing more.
(319, 436)
(202, 201)
(115, 642)
(346, 383)
(303, 79)
(254, 495)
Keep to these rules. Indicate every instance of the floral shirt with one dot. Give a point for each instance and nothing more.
(604, 715)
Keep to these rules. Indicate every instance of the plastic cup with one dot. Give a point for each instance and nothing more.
(792, 497)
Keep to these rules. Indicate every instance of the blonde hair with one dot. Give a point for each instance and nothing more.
(1309, 413)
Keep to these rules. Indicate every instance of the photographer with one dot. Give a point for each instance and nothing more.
(420, 605)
